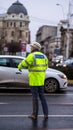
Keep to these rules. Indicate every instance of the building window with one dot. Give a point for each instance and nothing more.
(21, 16)
(13, 16)
(11, 24)
(12, 41)
(26, 24)
(12, 33)
(26, 34)
(20, 33)
(7, 24)
(20, 24)
(14, 24)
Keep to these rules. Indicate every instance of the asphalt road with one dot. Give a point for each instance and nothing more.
(15, 106)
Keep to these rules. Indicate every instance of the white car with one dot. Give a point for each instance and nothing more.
(10, 76)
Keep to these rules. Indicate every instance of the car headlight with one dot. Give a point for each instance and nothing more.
(64, 65)
(63, 76)
(57, 65)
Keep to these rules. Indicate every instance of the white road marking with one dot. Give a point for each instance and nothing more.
(38, 116)
(50, 103)
(60, 103)
(2, 103)
(62, 129)
(29, 94)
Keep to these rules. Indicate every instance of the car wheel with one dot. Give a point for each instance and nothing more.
(51, 85)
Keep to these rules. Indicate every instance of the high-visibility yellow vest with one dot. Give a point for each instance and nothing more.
(37, 64)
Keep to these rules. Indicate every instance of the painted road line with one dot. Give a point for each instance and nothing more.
(38, 116)
(61, 103)
(50, 103)
(29, 94)
(2, 103)
(60, 129)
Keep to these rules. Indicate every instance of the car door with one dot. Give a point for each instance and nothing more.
(6, 71)
(20, 77)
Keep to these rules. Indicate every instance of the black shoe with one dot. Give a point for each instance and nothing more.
(33, 117)
(45, 117)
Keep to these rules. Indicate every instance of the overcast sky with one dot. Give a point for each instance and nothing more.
(41, 12)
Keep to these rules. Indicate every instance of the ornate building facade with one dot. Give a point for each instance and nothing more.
(14, 27)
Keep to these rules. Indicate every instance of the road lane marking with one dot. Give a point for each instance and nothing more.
(2, 103)
(60, 103)
(60, 129)
(50, 103)
(38, 116)
(29, 94)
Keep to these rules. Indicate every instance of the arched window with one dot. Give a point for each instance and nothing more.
(21, 16)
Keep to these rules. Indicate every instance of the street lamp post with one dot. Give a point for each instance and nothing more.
(60, 27)
(68, 28)
(68, 35)
(61, 7)
(70, 14)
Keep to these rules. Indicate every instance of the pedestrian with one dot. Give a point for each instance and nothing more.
(37, 64)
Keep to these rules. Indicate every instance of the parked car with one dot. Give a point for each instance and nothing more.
(58, 59)
(10, 76)
(68, 62)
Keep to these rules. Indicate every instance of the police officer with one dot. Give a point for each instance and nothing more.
(37, 64)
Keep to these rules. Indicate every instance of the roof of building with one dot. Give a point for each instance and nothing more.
(17, 8)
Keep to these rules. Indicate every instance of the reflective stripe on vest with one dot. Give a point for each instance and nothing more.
(36, 70)
(41, 65)
(27, 63)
